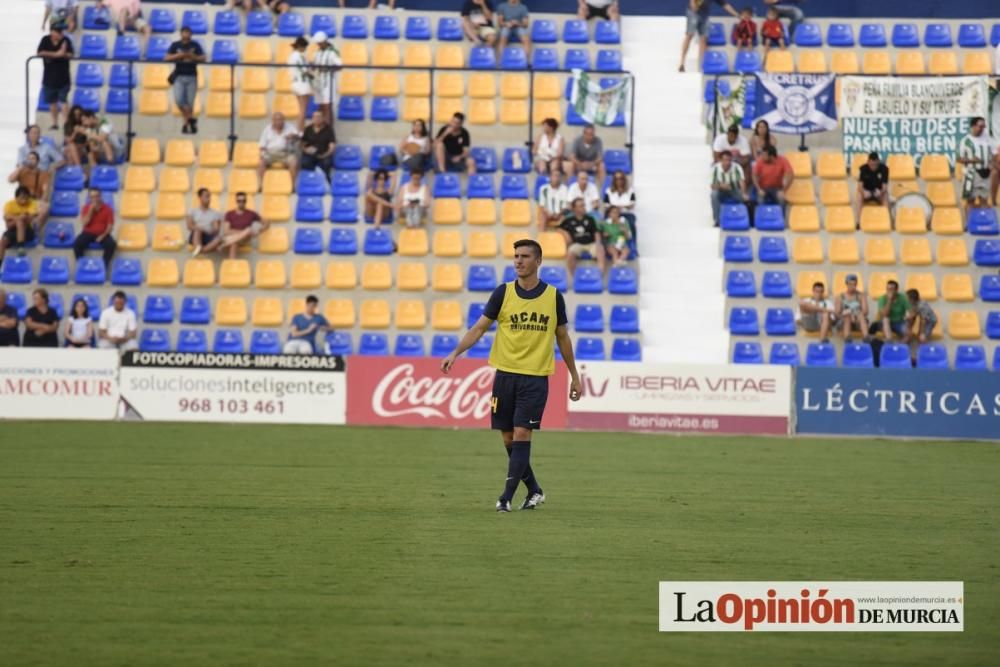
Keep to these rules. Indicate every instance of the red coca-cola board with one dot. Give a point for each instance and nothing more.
(410, 391)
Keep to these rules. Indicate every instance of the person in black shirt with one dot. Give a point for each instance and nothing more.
(187, 53)
(41, 322)
(8, 323)
(451, 146)
(873, 183)
(318, 144)
(582, 236)
(56, 49)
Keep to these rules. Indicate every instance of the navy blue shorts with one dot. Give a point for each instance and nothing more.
(518, 401)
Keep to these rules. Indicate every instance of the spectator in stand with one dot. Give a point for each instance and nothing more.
(56, 50)
(477, 22)
(976, 152)
(98, 220)
(738, 147)
(921, 316)
(772, 33)
(787, 9)
(550, 148)
(49, 157)
(600, 9)
(117, 327)
(582, 188)
(873, 183)
(415, 148)
(378, 197)
(697, 23)
(112, 143)
(817, 313)
(28, 175)
(772, 176)
(745, 31)
(9, 335)
(75, 137)
(512, 19)
(729, 184)
(616, 234)
(413, 201)
(277, 146)
(277, 6)
(318, 144)
(326, 63)
(127, 15)
(79, 330)
(452, 146)
(302, 337)
(240, 226)
(204, 224)
(186, 54)
(63, 12)
(621, 195)
(893, 309)
(587, 154)
(553, 201)
(582, 236)
(302, 78)
(760, 140)
(22, 218)
(372, 4)
(41, 323)
(99, 134)
(851, 308)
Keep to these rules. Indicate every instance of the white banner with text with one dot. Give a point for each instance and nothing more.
(58, 383)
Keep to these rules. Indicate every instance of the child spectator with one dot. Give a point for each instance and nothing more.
(617, 234)
(772, 32)
(922, 315)
(745, 32)
(79, 326)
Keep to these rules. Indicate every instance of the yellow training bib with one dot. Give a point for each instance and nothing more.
(526, 329)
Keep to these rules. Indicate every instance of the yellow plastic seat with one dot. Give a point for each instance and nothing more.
(376, 276)
(483, 112)
(132, 236)
(416, 108)
(912, 220)
(258, 52)
(179, 153)
(801, 163)
(246, 155)
(354, 54)
(803, 218)
(812, 61)
(876, 62)
(543, 109)
(375, 314)
(957, 287)
(212, 154)
(801, 192)
(779, 62)
(553, 245)
(952, 252)
(199, 273)
(943, 63)
(805, 281)
(515, 213)
(243, 180)
(413, 242)
(162, 273)
(446, 107)
(831, 166)
(910, 62)
(899, 188)
(168, 237)
(276, 208)
(268, 274)
(411, 277)
(877, 281)
(273, 241)
(208, 178)
(145, 152)
(339, 313)
(844, 62)
(547, 87)
(154, 102)
(267, 312)
(306, 274)
(285, 104)
(252, 105)
(514, 112)
(447, 244)
(901, 167)
(446, 316)
(840, 279)
(353, 82)
(297, 305)
(807, 250)
(220, 79)
(386, 55)
(154, 77)
(514, 86)
(234, 273)
(174, 179)
(447, 278)
(482, 212)
(924, 283)
(916, 252)
(140, 179)
(964, 325)
(446, 211)
(410, 314)
(844, 250)
(283, 80)
(135, 206)
(947, 221)
(277, 182)
(230, 311)
(170, 206)
(450, 56)
(941, 193)
(977, 62)
(341, 275)
(834, 193)
(385, 84)
(935, 168)
(875, 220)
(840, 220)
(482, 85)
(417, 55)
(857, 161)
(880, 251)
(418, 84)
(509, 239)
(482, 244)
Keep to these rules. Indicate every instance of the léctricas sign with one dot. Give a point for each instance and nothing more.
(946, 404)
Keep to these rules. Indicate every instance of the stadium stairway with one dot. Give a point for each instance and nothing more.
(22, 19)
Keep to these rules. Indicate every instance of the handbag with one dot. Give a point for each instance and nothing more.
(172, 77)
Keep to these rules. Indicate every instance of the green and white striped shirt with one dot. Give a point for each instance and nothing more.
(553, 200)
(734, 177)
(980, 147)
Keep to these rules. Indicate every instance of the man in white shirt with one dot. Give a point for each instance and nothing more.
(736, 144)
(553, 201)
(583, 189)
(117, 327)
(277, 146)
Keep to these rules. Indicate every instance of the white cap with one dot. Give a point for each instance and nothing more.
(319, 37)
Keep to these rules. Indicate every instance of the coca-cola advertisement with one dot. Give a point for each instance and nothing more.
(411, 391)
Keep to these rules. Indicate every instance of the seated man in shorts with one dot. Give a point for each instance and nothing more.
(240, 226)
(477, 22)
(597, 9)
(278, 146)
(893, 310)
(452, 146)
(582, 236)
(204, 223)
(921, 315)
(817, 314)
(127, 15)
(512, 20)
(873, 183)
(21, 217)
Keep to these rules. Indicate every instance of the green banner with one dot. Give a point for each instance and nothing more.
(598, 105)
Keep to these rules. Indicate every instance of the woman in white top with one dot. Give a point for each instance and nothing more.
(79, 326)
(621, 196)
(549, 148)
(415, 149)
(301, 78)
(413, 200)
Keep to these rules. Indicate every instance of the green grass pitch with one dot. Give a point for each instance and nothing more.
(142, 544)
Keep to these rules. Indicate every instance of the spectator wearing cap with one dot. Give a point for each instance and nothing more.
(851, 308)
(326, 62)
(302, 78)
(186, 54)
(56, 50)
(873, 183)
(98, 220)
(49, 157)
(117, 326)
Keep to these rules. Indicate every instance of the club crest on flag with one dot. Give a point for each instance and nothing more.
(797, 103)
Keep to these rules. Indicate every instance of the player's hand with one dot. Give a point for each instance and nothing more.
(574, 390)
(447, 363)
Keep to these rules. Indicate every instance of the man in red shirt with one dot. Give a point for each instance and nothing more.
(98, 220)
(240, 225)
(772, 176)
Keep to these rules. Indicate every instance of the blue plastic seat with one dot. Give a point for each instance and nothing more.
(744, 322)
(779, 322)
(162, 20)
(933, 357)
(16, 270)
(291, 24)
(772, 249)
(989, 288)
(575, 31)
(624, 319)
(196, 310)
(937, 36)
(716, 62)
(607, 32)
(995, 35)
(769, 218)
(385, 109)
(352, 107)
(514, 186)
(983, 222)
(544, 59)
(626, 349)
(486, 159)
(872, 36)
(482, 57)
(741, 284)
(70, 178)
(127, 47)
(745, 352)
(96, 19)
(986, 253)
(418, 28)
(154, 339)
(373, 345)
(345, 210)
(590, 349)
(409, 345)
(378, 242)
(354, 27)
(225, 51)
(543, 31)
(311, 184)
(821, 355)
(481, 350)
(481, 278)
(89, 75)
(93, 46)
(734, 218)
(576, 59)
(65, 204)
(57, 304)
(474, 312)
(514, 57)
(716, 34)
(197, 21)
(90, 271)
(344, 184)
(905, 36)
(617, 160)
(192, 340)
(339, 343)
(156, 50)
(449, 29)
(573, 118)
(87, 98)
(784, 354)
(809, 35)
(737, 249)
(120, 78)
(158, 309)
(747, 62)
(343, 242)
(993, 324)
(265, 342)
(588, 280)
(840, 35)
(971, 36)
(776, 285)
(310, 242)
(609, 60)
(309, 208)
(553, 275)
(508, 162)
(92, 300)
(386, 27)
(589, 318)
(323, 23)
(347, 156)
(377, 152)
(858, 355)
(228, 341)
(130, 302)
(119, 100)
(58, 234)
(446, 185)
(53, 271)
(126, 272)
(895, 356)
(510, 275)
(970, 358)
(481, 187)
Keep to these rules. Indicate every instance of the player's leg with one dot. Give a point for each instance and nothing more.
(531, 393)
(529, 475)
(502, 419)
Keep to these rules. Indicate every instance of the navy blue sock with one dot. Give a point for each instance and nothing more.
(528, 477)
(519, 456)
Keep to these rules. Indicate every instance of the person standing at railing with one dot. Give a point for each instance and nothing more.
(186, 53)
(56, 50)
(302, 78)
(697, 23)
(326, 63)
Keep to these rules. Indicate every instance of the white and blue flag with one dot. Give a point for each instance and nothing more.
(797, 103)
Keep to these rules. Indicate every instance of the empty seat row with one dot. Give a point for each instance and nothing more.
(874, 35)
(745, 321)
(945, 221)
(847, 62)
(845, 250)
(861, 355)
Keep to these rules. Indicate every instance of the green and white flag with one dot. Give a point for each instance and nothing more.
(597, 105)
(994, 117)
(730, 105)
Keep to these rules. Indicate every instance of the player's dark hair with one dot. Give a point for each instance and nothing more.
(311, 299)
(529, 243)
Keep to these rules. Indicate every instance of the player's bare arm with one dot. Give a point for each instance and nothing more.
(470, 338)
(566, 349)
